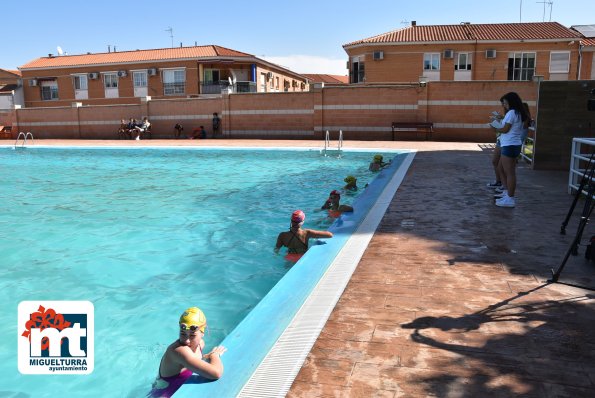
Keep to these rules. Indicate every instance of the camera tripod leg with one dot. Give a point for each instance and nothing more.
(589, 171)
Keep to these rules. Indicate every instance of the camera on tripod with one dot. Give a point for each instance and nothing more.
(591, 101)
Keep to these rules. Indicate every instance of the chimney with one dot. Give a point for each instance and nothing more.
(114, 48)
(50, 55)
(413, 23)
(109, 48)
(180, 44)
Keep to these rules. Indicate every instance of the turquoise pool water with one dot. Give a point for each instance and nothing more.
(143, 234)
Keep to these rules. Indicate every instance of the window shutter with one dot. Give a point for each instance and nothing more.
(559, 62)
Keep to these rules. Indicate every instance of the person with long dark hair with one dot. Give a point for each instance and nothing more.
(510, 146)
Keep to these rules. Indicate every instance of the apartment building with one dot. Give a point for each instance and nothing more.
(125, 77)
(467, 52)
(11, 89)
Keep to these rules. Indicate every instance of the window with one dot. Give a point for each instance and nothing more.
(80, 82)
(521, 66)
(174, 81)
(272, 84)
(432, 61)
(211, 76)
(277, 83)
(110, 80)
(463, 61)
(559, 61)
(139, 79)
(358, 70)
(49, 91)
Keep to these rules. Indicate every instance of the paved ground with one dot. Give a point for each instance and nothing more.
(450, 298)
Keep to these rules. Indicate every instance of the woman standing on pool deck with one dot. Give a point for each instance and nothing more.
(510, 145)
(184, 356)
(296, 239)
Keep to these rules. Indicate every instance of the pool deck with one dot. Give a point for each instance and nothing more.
(450, 299)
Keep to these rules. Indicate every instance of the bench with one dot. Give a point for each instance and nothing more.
(426, 127)
(5, 132)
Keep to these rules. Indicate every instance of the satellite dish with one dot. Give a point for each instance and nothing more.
(60, 52)
(230, 81)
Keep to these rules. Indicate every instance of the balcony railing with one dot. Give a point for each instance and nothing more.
(173, 88)
(223, 86)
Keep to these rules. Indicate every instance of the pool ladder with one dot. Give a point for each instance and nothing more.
(327, 143)
(25, 136)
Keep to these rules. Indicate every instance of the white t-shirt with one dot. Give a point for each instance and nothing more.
(513, 137)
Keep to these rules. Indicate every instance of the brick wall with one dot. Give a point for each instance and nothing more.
(459, 111)
(404, 63)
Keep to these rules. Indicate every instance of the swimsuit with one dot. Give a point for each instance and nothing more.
(291, 250)
(165, 387)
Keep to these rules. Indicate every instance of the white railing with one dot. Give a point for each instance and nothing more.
(327, 143)
(582, 151)
(25, 136)
(525, 154)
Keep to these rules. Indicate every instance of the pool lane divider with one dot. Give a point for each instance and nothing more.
(267, 349)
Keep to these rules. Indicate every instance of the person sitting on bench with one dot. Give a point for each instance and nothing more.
(142, 127)
(178, 127)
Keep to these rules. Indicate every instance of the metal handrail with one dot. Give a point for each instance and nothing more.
(25, 137)
(577, 155)
(327, 142)
(528, 158)
(340, 144)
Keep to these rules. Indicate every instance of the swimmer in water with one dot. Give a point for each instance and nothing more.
(377, 164)
(332, 203)
(296, 239)
(185, 356)
(351, 183)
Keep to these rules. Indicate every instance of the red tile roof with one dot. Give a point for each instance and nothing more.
(472, 32)
(161, 54)
(14, 72)
(331, 79)
(588, 42)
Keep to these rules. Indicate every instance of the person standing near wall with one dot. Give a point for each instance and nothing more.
(216, 124)
(510, 142)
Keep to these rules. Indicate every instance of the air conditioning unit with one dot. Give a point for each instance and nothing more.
(378, 55)
(93, 75)
(152, 71)
(122, 73)
(32, 82)
(269, 75)
(448, 54)
(490, 53)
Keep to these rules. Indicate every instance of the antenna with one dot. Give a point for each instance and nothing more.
(171, 35)
(521, 12)
(549, 3)
(60, 52)
(404, 22)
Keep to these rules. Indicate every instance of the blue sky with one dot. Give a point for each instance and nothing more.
(306, 36)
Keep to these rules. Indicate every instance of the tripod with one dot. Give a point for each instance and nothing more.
(586, 178)
(586, 214)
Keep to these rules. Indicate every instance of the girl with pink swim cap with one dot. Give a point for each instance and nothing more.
(296, 239)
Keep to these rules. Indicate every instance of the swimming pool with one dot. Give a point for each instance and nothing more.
(144, 234)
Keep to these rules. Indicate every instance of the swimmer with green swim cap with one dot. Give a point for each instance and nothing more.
(184, 356)
(377, 163)
(351, 183)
